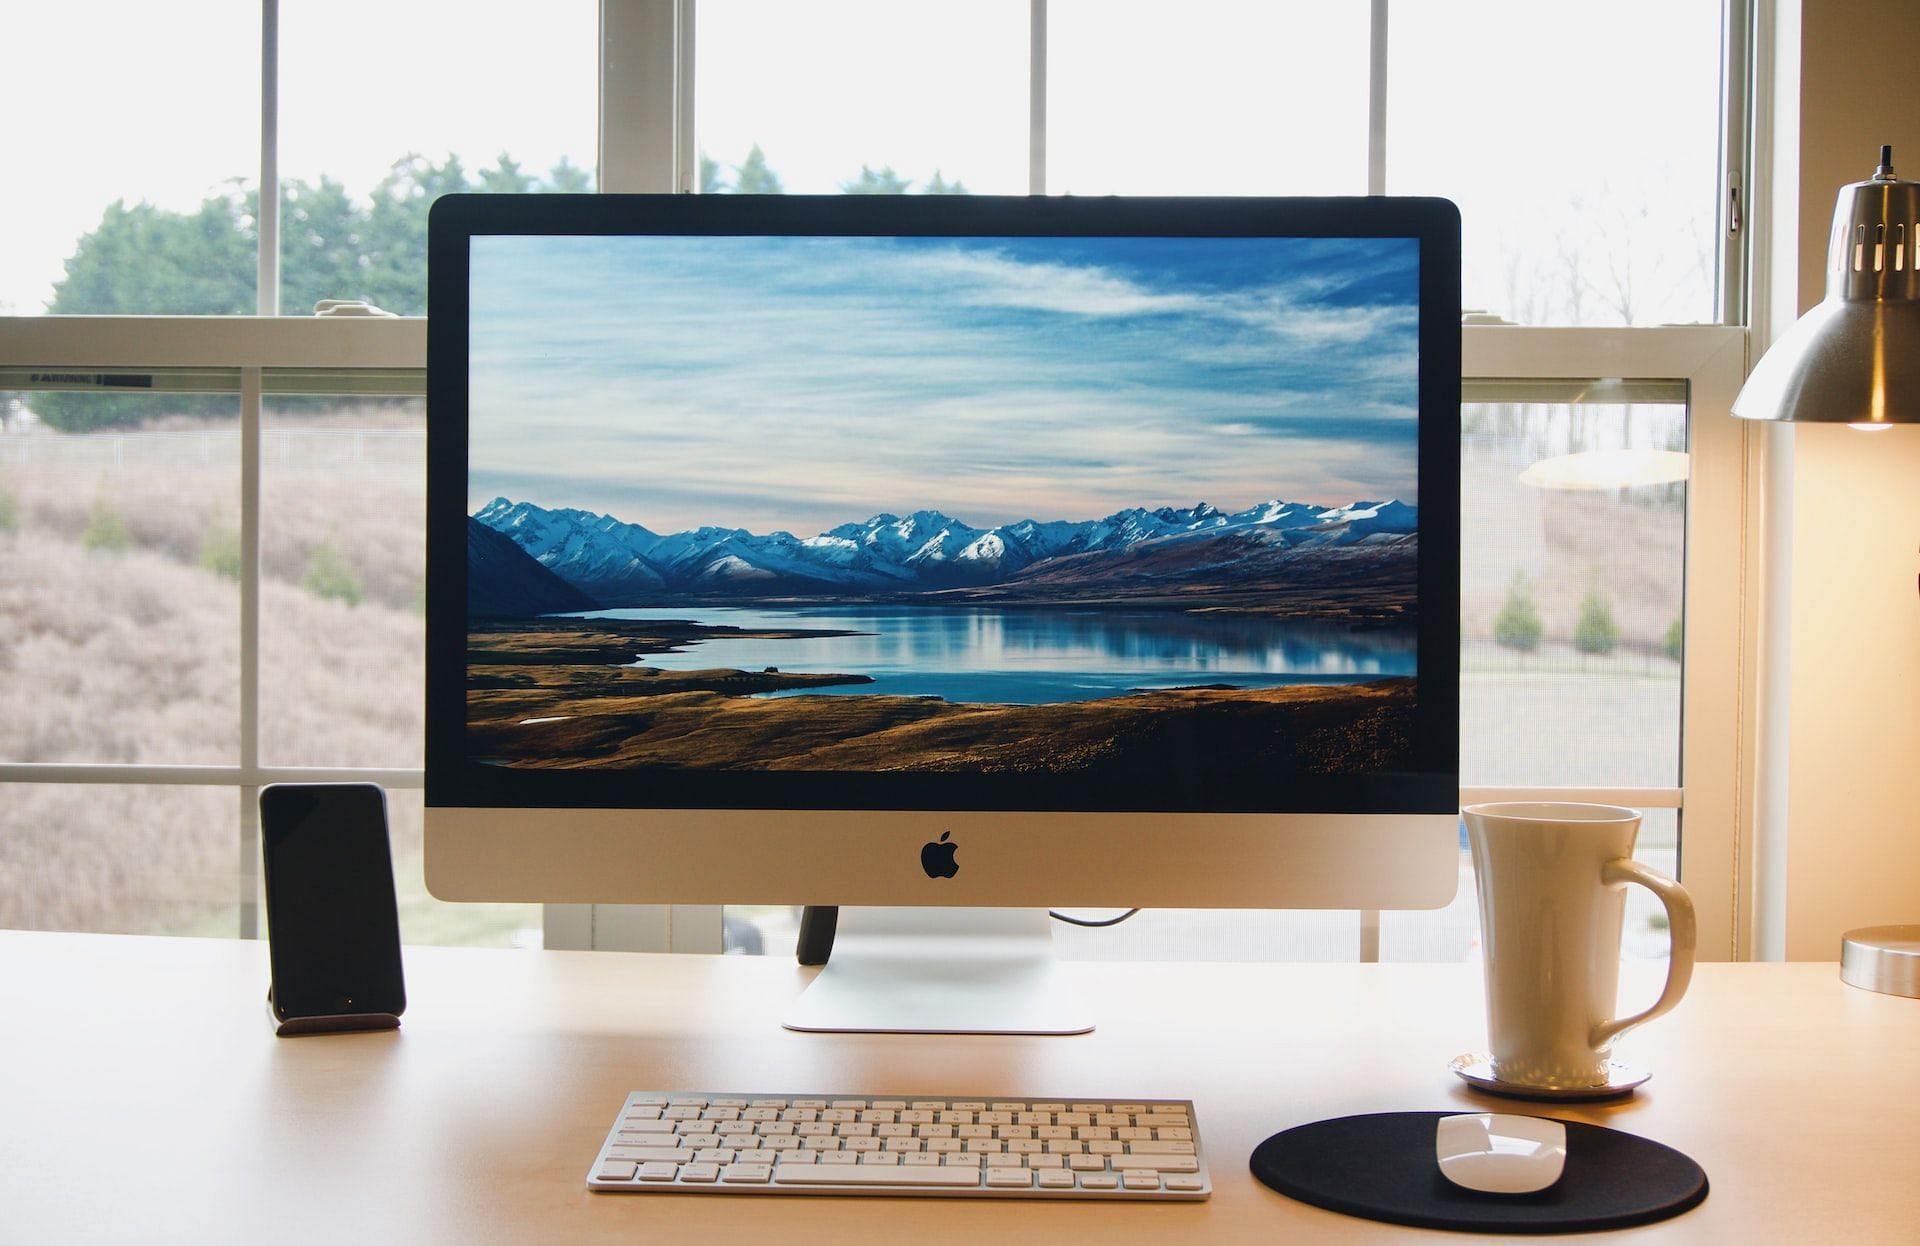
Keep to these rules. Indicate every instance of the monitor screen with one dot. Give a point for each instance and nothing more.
(961, 507)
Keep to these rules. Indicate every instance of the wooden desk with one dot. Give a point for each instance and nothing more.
(143, 1097)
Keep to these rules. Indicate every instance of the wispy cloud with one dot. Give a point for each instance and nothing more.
(989, 279)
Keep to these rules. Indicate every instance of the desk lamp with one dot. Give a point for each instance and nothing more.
(1855, 359)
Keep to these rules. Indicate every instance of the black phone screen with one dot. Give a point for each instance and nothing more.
(332, 924)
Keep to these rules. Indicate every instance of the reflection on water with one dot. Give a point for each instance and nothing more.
(1034, 656)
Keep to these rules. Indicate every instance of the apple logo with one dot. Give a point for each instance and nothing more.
(937, 858)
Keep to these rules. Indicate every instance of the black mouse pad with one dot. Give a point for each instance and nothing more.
(1382, 1167)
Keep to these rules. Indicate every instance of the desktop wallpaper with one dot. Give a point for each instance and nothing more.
(1039, 505)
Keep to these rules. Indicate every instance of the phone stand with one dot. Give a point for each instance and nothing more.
(329, 1023)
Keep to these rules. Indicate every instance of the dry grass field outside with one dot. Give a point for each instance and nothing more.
(119, 642)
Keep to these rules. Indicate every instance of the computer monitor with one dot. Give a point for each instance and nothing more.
(943, 551)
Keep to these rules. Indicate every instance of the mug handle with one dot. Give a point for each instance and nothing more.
(1681, 929)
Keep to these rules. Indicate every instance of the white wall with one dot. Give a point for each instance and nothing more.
(1853, 727)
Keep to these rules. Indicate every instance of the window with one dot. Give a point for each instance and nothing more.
(134, 149)
(1582, 144)
(825, 97)
(298, 439)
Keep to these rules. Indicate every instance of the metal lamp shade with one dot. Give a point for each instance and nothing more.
(1855, 358)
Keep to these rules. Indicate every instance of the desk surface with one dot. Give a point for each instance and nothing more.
(143, 1096)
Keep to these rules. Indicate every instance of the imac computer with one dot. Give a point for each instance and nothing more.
(938, 554)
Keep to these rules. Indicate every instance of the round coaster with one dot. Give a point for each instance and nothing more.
(1476, 1069)
(1382, 1167)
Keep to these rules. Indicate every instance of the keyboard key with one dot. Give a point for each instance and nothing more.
(648, 1154)
(1099, 1180)
(877, 1175)
(753, 1173)
(1159, 1163)
(615, 1170)
(1056, 1179)
(1000, 1178)
(658, 1172)
(1140, 1179)
(1185, 1183)
(700, 1172)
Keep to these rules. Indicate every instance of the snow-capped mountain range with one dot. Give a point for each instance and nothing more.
(623, 563)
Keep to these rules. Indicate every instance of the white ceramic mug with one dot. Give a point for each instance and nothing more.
(1552, 879)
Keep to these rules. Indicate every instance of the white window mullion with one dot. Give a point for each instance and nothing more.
(250, 391)
(1377, 100)
(1037, 98)
(642, 97)
(1639, 797)
(267, 288)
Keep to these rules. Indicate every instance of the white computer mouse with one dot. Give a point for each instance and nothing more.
(1495, 1153)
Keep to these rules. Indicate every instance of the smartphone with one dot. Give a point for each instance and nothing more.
(333, 925)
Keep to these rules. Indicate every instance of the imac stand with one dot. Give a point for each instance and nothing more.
(938, 971)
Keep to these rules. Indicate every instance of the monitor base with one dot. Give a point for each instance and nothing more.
(940, 971)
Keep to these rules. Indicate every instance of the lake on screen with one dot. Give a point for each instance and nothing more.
(1032, 657)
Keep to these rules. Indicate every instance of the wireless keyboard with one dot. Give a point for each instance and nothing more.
(749, 1143)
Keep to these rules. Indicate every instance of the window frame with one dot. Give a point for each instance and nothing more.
(647, 143)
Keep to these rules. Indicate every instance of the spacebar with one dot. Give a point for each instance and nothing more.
(863, 1174)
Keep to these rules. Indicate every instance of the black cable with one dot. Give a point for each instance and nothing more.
(1081, 921)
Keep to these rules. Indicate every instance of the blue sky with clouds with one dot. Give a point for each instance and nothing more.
(799, 383)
